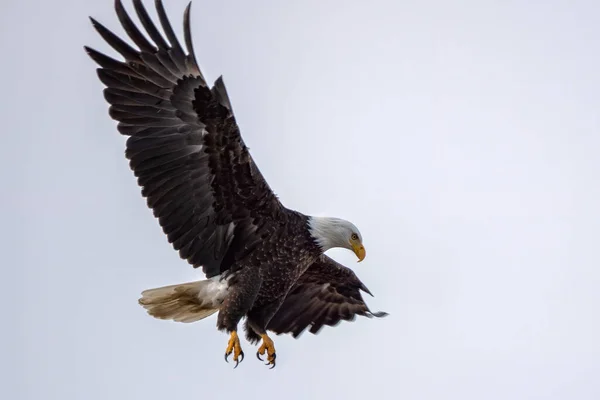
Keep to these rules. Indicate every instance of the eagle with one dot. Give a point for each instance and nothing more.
(263, 262)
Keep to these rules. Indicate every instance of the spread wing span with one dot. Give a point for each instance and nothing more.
(184, 144)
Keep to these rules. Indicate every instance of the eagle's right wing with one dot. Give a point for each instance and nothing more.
(325, 294)
(184, 144)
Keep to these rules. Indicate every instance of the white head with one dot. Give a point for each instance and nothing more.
(335, 232)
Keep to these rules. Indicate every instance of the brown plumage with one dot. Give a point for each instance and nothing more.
(325, 294)
(264, 261)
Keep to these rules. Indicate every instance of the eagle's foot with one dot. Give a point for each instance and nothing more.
(234, 347)
(268, 347)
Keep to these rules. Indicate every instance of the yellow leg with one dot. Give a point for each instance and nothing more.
(234, 347)
(268, 347)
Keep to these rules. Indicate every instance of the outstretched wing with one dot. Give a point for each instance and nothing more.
(184, 144)
(325, 294)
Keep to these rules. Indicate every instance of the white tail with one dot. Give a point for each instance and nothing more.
(187, 302)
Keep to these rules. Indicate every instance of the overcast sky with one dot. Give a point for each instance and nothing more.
(461, 137)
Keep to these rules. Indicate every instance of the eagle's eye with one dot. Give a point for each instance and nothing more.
(354, 236)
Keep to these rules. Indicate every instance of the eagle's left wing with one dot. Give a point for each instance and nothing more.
(184, 144)
(325, 294)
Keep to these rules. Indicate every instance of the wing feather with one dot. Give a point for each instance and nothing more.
(326, 294)
(184, 145)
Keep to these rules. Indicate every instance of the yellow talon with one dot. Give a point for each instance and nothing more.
(234, 347)
(269, 347)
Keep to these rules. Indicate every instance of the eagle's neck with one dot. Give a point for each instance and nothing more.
(328, 232)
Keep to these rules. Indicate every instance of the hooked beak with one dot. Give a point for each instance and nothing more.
(360, 251)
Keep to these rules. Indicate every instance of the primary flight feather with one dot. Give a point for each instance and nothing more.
(263, 261)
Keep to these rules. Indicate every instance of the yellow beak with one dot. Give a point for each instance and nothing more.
(359, 250)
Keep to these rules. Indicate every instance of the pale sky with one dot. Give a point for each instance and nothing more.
(462, 138)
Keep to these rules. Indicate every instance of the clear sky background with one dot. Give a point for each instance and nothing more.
(461, 137)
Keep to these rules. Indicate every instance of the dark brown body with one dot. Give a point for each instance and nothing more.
(266, 275)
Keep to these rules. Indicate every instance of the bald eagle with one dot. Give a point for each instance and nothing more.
(262, 260)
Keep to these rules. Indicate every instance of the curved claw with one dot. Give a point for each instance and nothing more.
(234, 347)
(267, 348)
(237, 362)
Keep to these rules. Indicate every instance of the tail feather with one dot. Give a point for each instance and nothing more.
(187, 302)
